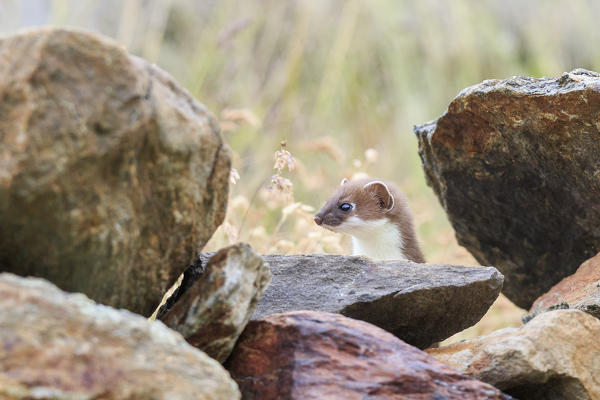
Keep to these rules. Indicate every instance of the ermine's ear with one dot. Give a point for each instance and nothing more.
(344, 181)
(380, 190)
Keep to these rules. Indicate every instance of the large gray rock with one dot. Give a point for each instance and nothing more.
(60, 346)
(421, 304)
(516, 165)
(112, 177)
(212, 312)
(556, 356)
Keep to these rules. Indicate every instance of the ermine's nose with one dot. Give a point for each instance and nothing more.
(318, 220)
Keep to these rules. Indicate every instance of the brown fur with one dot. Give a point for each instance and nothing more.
(373, 203)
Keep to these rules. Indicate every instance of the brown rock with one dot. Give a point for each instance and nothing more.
(515, 165)
(580, 291)
(60, 346)
(554, 356)
(111, 175)
(213, 312)
(316, 355)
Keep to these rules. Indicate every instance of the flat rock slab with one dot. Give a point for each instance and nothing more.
(580, 291)
(60, 346)
(421, 304)
(316, 355)
(112, 176)
(214, 310)
(516, 165)
(554, 356)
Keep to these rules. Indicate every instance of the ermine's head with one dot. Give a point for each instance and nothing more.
(355, 205)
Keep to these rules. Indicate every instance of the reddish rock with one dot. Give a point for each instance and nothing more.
(316, 355)
(212, 313)
(515, 164)
(580, 290)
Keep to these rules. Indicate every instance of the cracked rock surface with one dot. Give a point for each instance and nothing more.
(516, 165)
(112, 177)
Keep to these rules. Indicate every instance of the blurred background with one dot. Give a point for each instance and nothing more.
(342, 82)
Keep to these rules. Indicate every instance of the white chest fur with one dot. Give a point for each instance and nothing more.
(379, 239)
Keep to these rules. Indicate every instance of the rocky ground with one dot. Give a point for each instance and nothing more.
(113, 178)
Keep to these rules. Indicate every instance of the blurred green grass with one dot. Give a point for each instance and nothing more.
(358, 73)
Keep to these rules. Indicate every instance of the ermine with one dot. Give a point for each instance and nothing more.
(376, 215)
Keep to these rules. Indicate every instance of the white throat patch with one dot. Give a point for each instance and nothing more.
(379, 239)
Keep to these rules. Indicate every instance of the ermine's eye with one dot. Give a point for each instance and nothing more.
(346, 207)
